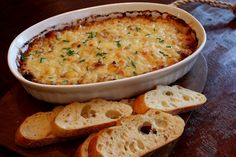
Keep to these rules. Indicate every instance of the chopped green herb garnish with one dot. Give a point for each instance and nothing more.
(101, 54)
(134, 73)
(62, 56)
(65, 41)
(50, 77)
(84, 42)
(160, 40)
(163, 53)
(148, 35)
(136, 52)
(128, 33)
(37, 52)
(82, 60)
(42, 59)
(69, 51)
(154, 29)
(133, 64)
(138, 29)
(168, 46)
(65, 82)
(91, 34)
(118, 43)
(23, 57)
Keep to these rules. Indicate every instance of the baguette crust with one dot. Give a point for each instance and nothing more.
(82, 150)
(139, 105)
(92, 149)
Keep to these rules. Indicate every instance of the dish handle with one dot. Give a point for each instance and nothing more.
(213, 3)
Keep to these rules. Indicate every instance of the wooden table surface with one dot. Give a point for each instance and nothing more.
(211, 131)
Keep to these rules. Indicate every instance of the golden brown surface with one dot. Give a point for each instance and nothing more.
(115, 48)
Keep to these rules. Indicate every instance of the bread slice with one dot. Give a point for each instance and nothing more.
(174, 99)
(82, 150)
(36, 130)
(137, 135)
(79, 119)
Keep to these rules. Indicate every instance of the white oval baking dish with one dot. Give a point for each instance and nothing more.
(116, 89)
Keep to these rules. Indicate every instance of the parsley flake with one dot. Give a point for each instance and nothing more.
(163, 53)
(138, 29)
(42, 59)
(101, 54)
(65, 82)
(82, 60)
(133, 64)
(118, 44)
(160, 40)
(65, 41)
(91, 34)
(69, 51)
(23, 57)
(84, 42)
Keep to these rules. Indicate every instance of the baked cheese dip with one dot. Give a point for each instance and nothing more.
(108, 47)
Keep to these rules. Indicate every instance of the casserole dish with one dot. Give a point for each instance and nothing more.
(116, 89)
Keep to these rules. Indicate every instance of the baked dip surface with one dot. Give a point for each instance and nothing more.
(129, 44)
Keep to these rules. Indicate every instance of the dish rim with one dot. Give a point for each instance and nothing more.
(19, 76)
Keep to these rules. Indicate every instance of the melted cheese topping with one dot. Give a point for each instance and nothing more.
(107, 50)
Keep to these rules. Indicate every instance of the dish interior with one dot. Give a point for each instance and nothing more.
(57, 22)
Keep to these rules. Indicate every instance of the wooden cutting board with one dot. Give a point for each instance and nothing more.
(17, 104)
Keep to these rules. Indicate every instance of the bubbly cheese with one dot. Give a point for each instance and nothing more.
(107, 50)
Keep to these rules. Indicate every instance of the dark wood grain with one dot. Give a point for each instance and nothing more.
(211, 131)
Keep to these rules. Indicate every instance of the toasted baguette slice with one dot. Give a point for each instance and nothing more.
(82, 150)
(174, 100)
(137, 135)
(79, 119)
(36, 130)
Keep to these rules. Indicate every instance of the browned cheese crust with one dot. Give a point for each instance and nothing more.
(120, 45)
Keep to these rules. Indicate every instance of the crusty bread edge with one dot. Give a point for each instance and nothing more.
(79, 150)
(92, 151)
(141, 107)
